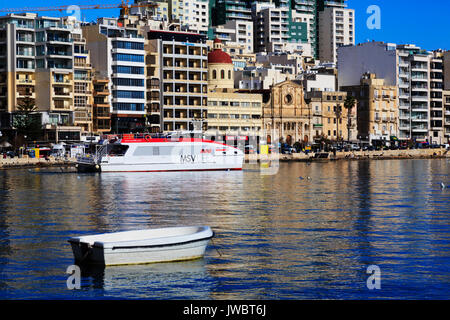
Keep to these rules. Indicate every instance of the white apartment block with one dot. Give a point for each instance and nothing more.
(418, 75)
(319, 82)
(236, 32)
(271, 29)
(193, 14)
(262, 78)
(336, 28)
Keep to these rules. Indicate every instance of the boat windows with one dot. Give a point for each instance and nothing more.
(146, 151)
(117, 150)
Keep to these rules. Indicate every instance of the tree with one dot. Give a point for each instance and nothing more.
(349, 103)
(26, 120)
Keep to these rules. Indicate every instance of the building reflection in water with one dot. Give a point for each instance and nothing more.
(277, 236)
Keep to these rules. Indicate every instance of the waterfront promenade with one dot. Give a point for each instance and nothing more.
(356, 155)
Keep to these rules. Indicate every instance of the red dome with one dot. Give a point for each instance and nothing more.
(218, 56)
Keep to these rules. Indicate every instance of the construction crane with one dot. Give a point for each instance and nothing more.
(125, 6)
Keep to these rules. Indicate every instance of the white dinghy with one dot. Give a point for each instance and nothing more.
(142, 246)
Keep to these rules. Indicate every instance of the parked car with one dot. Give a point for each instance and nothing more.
(249, 149)
(287, 149)
(11, 154)
(369, 148)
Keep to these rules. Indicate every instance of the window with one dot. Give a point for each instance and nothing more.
(128, 94)
(128, 82)
(128, 106)
(229, 74)
(128, 69)
(128, 45)
(128, 57)
(222, 74)
(214, 74)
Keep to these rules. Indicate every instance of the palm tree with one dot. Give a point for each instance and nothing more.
(349, 103)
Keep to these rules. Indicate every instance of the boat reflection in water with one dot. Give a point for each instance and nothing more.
(184, 279)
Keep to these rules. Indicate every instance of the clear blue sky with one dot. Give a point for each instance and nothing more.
(421, 22)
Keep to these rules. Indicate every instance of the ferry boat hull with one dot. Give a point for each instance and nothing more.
(161, 155)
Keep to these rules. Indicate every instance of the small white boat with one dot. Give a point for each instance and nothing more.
(142, 246)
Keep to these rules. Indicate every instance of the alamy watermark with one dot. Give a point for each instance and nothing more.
(374, 280)
(74, 279)
(374, 20)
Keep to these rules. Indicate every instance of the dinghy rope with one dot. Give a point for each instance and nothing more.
(215, 247)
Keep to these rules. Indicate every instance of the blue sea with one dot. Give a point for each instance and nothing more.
(280, 236)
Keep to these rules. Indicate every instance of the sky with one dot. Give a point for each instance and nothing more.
(419, 22)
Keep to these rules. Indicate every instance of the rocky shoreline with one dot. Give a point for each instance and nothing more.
(18, 163)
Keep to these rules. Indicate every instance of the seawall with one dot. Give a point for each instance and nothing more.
(11, 163)
(355, 155)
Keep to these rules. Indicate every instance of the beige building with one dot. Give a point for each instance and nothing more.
(330, 119)
(378, 112)
(101, 105)
(286, 116)
(83, 98)
(229, 113)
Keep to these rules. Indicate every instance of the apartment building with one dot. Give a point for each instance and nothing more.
(271, 28)
(417, 73)
(237, 33)
(223, 11)
(101, 105)
(446, 102)
(83, 98)
(38, 63)
(336, 28)
(305, 11)
(182, 58)
(118, 53)
(329, 118)
(377, 110)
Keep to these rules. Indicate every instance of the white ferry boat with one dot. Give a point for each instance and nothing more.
(147, 153)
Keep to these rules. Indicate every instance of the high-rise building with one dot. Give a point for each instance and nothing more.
(336, 27)
(316, 13)
(271, 28)
(118, 53)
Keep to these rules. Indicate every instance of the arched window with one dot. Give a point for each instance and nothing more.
(222, 74)
(229, 74)
(214, 74)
